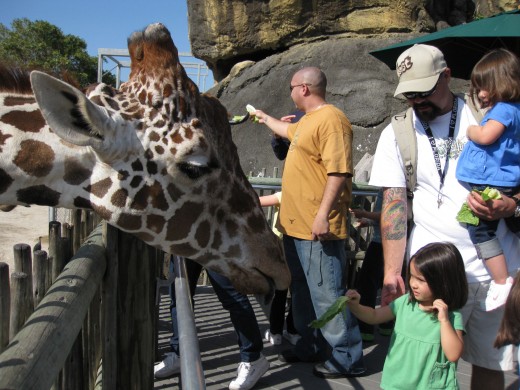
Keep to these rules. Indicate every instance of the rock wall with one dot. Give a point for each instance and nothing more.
(254, 47)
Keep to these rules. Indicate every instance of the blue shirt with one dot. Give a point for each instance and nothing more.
(497, 164)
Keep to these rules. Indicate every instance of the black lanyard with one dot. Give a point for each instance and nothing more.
(442, 173)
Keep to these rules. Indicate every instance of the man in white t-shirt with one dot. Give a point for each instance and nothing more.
(438, 117)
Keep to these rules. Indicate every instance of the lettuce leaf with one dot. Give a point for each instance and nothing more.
(465, 215)
(337, 307)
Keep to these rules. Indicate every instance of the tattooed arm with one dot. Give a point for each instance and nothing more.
(393, 235)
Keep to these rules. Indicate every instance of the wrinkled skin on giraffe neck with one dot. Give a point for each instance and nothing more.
(155, 159)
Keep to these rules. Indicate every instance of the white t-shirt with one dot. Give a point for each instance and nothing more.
(433, 224)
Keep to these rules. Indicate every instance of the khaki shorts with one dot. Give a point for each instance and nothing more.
(481, 331)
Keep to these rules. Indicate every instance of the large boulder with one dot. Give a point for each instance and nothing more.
(253, 47)
(224, 32)
(360, 85)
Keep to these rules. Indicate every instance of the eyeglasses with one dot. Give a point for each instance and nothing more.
(291, 87)
(422, 95)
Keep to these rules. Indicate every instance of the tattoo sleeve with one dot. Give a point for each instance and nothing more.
(393, 215)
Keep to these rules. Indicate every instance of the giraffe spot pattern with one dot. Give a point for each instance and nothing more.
(154, 136)
(100, 188)
(28, 121)
(174, 192)
(256, 223)
(238, 202)
(40, 194)
(155, 223)
(184, 249)
(234, 251)
(147, 195)
(217, 240)
(102, 211)
(119, 197)
(82, 203)
(159, 150)
(184, 217)
(202, 234)
(11, 101)
(3, 139)
(122, 175)
(5, 181)
(35, 158)
(137, 166)
(136, 181)
(75, 173)
(129, 222)
(151, 167)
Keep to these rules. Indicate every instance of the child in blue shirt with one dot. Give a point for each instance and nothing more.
(491, 157)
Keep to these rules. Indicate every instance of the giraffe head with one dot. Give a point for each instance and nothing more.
(154, 158)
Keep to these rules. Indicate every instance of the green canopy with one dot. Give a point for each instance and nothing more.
(465, 44)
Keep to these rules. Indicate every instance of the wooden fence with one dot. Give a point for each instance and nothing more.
(83, 323)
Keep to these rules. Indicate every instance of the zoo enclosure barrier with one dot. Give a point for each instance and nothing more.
(96, 325)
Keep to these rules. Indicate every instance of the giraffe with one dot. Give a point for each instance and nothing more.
(154, 158)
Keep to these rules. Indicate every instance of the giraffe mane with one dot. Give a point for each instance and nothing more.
(16, 79)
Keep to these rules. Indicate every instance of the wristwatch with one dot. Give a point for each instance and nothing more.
(517, 210)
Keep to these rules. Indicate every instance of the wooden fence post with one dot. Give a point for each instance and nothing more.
(54, 249)
(40, 275)
(20, 310)
(135, 313)
(23, 263)
(35, 356)
(5, 305)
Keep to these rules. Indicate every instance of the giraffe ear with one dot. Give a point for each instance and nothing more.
(68, 112)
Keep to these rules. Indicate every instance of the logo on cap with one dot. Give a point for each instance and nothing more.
(405, 64)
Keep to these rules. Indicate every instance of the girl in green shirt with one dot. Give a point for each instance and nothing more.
(427, 339)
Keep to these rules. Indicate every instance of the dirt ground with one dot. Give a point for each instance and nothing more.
(22, 225)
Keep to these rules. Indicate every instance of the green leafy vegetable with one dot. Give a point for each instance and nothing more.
(465, 214)
(251, 110)
(337, 307)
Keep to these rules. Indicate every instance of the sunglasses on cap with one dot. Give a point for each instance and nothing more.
(422, 95)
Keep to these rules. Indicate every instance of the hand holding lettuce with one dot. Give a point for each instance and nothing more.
(465, 214)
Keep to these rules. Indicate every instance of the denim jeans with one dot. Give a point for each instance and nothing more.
(318, 270)
(240, 311)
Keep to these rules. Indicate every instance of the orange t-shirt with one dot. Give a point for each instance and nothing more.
(321, 143)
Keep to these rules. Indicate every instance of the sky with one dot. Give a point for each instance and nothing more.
(107, 23)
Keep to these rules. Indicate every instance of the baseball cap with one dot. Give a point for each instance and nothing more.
(418, 68)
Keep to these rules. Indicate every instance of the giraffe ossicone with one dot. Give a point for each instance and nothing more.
(154, 158)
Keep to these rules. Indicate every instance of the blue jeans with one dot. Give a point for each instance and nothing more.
(240, 311)
(318, 276)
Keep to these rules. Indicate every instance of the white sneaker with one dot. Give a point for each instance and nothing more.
(171, 365)
(249, 373)
(497, 294)
(291, 337)
(274, 339)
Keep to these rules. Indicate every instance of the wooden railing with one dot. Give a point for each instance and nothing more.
(95, 324)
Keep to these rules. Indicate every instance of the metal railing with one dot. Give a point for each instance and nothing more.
(192, 376)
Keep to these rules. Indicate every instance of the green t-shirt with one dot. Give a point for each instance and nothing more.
(415, 359)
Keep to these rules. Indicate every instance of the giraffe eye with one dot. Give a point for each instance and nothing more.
(194, 171)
